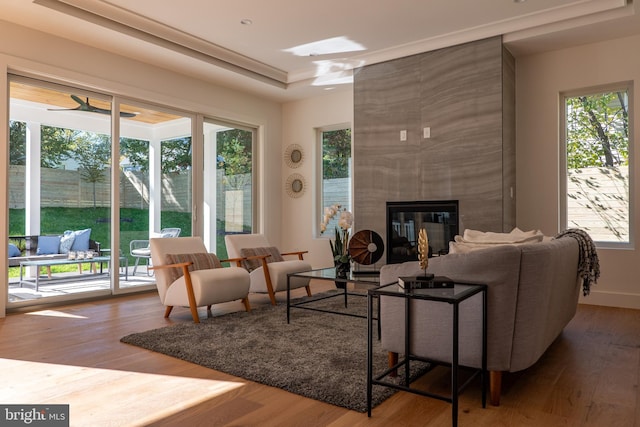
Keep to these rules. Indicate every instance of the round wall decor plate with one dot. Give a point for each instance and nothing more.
(293, 156)
(295, 185)
(366, 247)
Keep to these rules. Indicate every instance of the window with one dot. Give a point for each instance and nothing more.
(61, 183)
(335, 146)
(597, 163)
(228, 182)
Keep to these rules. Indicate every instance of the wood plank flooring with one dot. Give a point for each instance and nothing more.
(72, 355)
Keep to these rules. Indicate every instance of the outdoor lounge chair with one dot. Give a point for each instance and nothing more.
(139, 249)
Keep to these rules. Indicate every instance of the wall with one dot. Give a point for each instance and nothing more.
(26, 51)
(465, 95)
(300, 217)
(539, 81)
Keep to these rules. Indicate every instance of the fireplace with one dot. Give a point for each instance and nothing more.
(404, 221)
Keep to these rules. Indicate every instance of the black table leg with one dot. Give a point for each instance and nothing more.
(370, 351)
(454, 369)
(288, 296)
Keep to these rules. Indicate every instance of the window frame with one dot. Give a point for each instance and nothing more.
(319, 199)
(563, 218)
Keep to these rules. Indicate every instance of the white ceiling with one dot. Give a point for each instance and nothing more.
(293, 49)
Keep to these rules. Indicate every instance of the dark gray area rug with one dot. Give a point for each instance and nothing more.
(318, 355)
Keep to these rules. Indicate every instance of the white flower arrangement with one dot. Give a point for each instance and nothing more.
(340, 248)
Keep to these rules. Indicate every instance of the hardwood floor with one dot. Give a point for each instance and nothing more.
(72, 355)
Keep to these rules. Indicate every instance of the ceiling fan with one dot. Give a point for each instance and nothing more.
(83, 105)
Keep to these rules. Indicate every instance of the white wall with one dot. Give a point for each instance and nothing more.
(539, 81)
(300, 121)
(26, 51)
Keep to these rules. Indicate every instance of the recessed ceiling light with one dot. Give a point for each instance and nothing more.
(246, 22)
(519, 1)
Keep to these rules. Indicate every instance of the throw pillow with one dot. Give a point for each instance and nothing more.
(13, 250)
(48, 245)
(252, 264)
(200, 260)
(66, 241)
(81, 240)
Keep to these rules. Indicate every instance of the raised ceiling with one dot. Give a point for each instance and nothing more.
(288, 49)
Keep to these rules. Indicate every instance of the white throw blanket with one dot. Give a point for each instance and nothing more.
(488, 237)
(472, 240)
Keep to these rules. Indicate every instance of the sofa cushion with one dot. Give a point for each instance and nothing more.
(66, 241)
(48, 245)
(81, 240)
(13, 250)
(515, 236)
(252, 264)
(200, 261)
(472, 240)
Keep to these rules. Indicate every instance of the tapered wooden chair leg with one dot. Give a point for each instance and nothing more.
(167, 311)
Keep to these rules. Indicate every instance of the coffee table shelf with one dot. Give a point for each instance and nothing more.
(329, 274)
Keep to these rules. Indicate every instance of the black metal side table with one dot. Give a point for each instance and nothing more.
(453, 296)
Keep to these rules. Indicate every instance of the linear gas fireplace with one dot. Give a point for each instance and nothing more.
(404, 221)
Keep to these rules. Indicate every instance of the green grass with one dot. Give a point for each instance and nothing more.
(134, 225)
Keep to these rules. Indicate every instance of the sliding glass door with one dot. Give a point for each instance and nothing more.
(59, 191)
(155, 184)
(228, 182)
(83, 208)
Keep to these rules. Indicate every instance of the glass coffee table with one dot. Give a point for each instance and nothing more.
(370, 280)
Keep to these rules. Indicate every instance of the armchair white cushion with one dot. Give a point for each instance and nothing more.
(271, 276)
(195, 288)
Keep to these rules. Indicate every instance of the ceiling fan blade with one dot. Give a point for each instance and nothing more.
(63, 109)
(80, 101)
(84, 105)
(98, 110)
(105, 111)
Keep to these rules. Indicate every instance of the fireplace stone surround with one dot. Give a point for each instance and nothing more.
(465, 95)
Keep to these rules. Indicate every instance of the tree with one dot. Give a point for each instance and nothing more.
(56, 146)
(17, 143)
(137, 152)
(93, 154)
(336, 152)
(176, 155)
(235, 156)
(597, 130)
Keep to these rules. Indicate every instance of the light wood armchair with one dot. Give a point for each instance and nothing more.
(186, 275)
(267, 268)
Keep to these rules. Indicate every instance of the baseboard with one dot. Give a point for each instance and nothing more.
(611, 299)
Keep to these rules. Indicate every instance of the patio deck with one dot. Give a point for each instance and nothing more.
(75, 284)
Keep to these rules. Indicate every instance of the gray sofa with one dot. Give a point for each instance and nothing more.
(532, 294)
